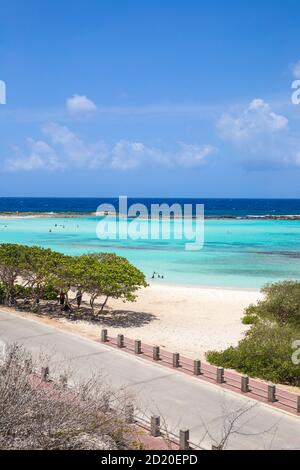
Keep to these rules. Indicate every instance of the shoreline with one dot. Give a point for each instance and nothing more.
(168, 285)
(74, 215)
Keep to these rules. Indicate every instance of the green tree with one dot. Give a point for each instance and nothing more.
(281, 304)
(108, 275)
(12, 262)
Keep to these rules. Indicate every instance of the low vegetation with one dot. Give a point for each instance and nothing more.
(40, 415)
(266, 350)
(32, 274)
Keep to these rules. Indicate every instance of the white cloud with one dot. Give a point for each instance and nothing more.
(257, 118)
(262, 138)
(296, 69)
(78, 104)
(192, 156)
(75, 150)
(121, 155)
(127, 155)
(40, 157)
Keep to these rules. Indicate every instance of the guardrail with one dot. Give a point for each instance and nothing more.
(256, 389)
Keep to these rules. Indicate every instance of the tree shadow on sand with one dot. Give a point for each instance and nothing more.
(126, 318)
(114, 318)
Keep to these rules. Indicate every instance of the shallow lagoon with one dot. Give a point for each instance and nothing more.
(236, 253)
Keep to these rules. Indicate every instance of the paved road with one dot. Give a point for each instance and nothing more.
(183, 401)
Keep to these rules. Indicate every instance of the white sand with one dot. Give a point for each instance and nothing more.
(189, 320)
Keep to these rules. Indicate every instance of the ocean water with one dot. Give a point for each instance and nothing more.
(236, 253)
(213, 207)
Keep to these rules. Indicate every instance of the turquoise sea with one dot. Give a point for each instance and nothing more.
(236, 253)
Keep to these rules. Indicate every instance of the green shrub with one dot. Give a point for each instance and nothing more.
(249, 319)
(281, 303)
(50, 293)
(265, 352)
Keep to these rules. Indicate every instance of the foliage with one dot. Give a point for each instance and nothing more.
(281, 303)
(266, 350)
(44, 273)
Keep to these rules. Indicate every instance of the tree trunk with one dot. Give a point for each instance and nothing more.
(92, 301)
(103, 305)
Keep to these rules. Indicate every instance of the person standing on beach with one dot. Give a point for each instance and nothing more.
(79, 298)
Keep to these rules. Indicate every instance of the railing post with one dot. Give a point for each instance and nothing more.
(184, 437)
(129, 413)
(45, 374)
(156, 355)
(244, 383)
(220, 375)
(137, 346)
(197, 367)
(271, 393)
(155, 426)
(298, 404)
(120, 341)
(175, 360)
(103, 336)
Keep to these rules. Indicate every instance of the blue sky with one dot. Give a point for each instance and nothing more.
(150, 98)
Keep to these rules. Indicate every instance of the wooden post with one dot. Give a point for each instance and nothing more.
(175, 359)
(120, 341)
(271, 393)
(103, 336)
(244, 383)
(156, 355)
(184, 437)
(129, 413)
(197, 367)
(220, 375)
(45, 374)
(155, 426)
(138, 346)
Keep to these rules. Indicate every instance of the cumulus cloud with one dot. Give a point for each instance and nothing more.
(75, 150)
(127, 155)
(40, 156)
(65, 149)
(262, 137)
(257, 118)
(192, 156)
(79, 104)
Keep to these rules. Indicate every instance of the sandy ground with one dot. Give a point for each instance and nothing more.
(188, 320)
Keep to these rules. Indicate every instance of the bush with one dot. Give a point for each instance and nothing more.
(281, 303)
(265, 352)
(50, 293)
(36, 416)
(249, 319)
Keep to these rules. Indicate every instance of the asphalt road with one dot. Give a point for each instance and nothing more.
(184, 402)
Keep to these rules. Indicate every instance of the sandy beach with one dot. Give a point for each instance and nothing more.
(190, 320)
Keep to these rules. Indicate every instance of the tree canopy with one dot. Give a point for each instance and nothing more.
(103, 274)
